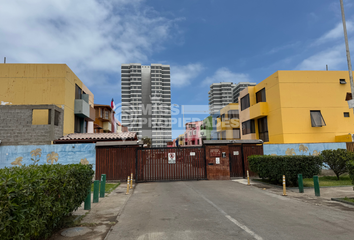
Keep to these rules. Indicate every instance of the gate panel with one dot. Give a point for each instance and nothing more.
(116, 162)
(153, 164)
(236, 165)
(248, 150)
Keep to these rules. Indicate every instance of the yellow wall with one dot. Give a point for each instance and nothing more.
(228, 124)
(290, 95)
(31, 84)
(40, 117)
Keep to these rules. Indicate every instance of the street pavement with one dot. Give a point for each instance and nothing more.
(225, 210)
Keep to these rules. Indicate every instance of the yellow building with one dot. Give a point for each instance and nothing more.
(181, 140)
(228, 125)
(298, 107)
(44, 84)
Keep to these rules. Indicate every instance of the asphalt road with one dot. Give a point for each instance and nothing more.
(225, 210)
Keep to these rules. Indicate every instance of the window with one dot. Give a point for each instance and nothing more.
(198, 142)
(85, 126)
(101, 115)
(248, 127)
(317, 119)
(56, 118)
(223, 135)
(194, 132)
(236, 133)
(78, 124)
(78, 92)
(245, 102)
(346, 114)
(106, 114)
(263, 129)
(342, 81)
(261, 96)
(223, 117)
(233, 114)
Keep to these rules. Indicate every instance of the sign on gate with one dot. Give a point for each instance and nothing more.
(192, 153)
(171, 158)
(236, 153)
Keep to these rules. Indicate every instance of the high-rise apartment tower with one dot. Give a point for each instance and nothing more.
(146, 101)
(238, 88)
(220, 95)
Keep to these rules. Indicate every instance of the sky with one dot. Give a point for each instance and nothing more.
(204, 41)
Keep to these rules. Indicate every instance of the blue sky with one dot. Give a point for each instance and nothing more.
(203, 41)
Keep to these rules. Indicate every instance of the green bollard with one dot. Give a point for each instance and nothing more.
(103, 185)
(96, 186)
(316, 183)
(301, 183)
(87, 205)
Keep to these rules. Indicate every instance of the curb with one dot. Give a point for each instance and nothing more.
(120, 211)
(342, 201)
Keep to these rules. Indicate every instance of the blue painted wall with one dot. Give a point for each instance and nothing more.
(48, 154)
(300, 148)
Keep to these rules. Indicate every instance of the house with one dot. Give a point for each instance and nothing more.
(192, 136)
(298, 107)
(103, 119)
(228, 125)
(41, 102)
(97, 137)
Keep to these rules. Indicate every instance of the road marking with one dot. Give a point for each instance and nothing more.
(240, 225)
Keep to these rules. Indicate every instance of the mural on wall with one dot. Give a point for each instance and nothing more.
(51, 157)
(303, 148)
(300, 149)
(84, 161)
(48, 154)
(17, 161)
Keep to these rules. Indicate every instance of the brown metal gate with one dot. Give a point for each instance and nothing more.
(153, 164)
(116, 162)
(236, 164)
(248, 150)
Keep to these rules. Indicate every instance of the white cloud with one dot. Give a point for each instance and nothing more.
(225, 75)
(94, 37)
(182, 76)
(335, 33)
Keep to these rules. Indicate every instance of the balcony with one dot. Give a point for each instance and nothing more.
(259, 110)
(82, 108)
(107, 126)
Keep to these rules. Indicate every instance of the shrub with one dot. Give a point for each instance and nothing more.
(35, 199)
(337, 160)
(350, 167)
(274, 167)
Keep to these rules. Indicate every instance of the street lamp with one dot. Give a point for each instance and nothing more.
(350, 102)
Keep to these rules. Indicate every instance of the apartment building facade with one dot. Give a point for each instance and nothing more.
(146, 101)
(220, 95)
(298, 107)
(51, 85)
(192, 136)
(228, 124)
(238, 88)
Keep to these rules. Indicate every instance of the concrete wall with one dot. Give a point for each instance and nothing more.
(59, 153)
(300, 148)
(218, 171)
(20, 126)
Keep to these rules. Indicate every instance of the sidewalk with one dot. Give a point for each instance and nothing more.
(309, 194)
(99, 220)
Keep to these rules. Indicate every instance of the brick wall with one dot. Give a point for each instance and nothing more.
(218, 171)
(16, 125)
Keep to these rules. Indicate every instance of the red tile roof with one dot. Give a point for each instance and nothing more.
(99, 136)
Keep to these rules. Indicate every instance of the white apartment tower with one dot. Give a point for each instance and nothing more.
(220, 95)
(146, 101)
(238, 88)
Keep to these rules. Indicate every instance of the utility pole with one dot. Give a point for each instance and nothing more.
(348, 54)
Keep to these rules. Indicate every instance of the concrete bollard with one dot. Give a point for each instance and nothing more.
(103, 185)
(87, 205)
(128, 185)
(131, 181)
(284, 186)
(316, 184)
(96, 186)
(301, 183)
(248, 178)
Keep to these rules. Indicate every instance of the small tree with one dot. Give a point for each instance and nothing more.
(350, 167)
(147, 141)
(337, 160)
